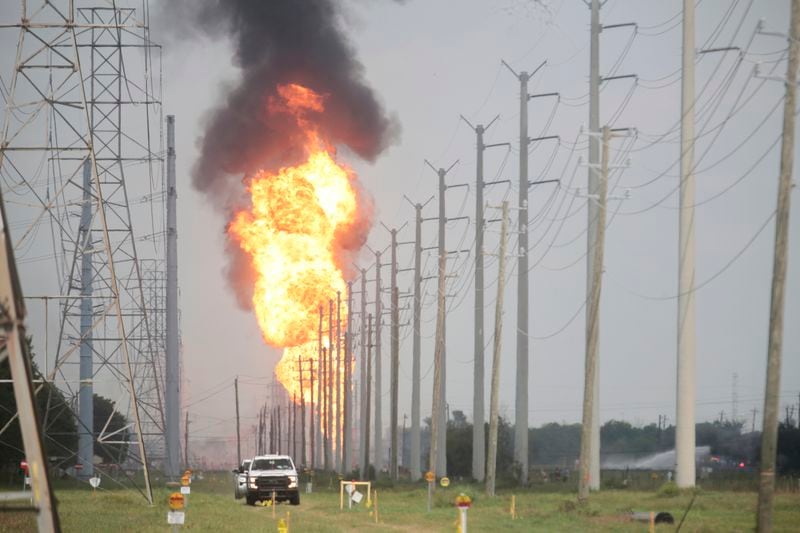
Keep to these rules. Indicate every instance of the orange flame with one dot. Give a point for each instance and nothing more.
(292, 234)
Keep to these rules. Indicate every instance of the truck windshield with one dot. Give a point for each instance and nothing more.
(271, 464)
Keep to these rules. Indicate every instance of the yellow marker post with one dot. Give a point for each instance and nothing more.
(513, 509)
(273, 504)
(430, 477)
(176, 516)
(185, 489)
(463, 502)
(376, 506)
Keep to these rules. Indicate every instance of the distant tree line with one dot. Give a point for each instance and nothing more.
(558, 445)
(59, 420)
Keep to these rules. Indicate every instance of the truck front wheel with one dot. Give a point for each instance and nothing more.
(295, 499)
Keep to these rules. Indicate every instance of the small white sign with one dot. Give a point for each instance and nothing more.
(176, 517)
(94, 482)
(186, 490)
(27, 481)
(357, 496)
(349, 488)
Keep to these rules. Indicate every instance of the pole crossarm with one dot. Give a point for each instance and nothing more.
(619, 77)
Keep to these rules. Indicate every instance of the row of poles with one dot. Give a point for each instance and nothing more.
(327, 383)
(598, 165)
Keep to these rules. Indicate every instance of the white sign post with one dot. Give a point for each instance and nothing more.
(175, 519)
(349, 488)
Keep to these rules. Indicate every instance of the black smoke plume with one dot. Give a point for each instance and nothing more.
(277, 42)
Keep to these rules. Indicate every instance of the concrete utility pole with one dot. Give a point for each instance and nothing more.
(438, 447)
(494, 395)
(86, 391)
(347, 443)
(478, 438)
(173, 378)
(414, 467)
(521, 401)
(365, 453)
(592, 214)
(685, 398)
(378, 421)
(363, 413)
(592, 210)
(395, 354)
(523, 353)
(769, 435)
(592, 329)
(238, 433)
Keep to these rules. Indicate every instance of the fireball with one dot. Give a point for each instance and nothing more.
(291, 233)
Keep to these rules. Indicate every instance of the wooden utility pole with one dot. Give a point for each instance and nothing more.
(272, 430)
(291, 443)
(403, 446)
(365, 451)
(238, 433)
(338, 420)
(312, 406)
(302, 414)
(494, 395)
(325, 409)
(592, 330)
(347, 419)
(319, 429)
(279, 436)
(362, 407)
(329, 462)
(769, 435)
(186, 441)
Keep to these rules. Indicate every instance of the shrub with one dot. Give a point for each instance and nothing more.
(668, 490)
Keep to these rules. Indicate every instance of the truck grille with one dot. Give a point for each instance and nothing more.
(272, 483)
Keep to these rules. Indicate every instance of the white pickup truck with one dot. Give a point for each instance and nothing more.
(272, 474)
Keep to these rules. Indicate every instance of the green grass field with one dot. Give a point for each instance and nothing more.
(213, 508)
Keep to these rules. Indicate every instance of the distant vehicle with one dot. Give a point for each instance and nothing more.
(270, 474)
(241, 479)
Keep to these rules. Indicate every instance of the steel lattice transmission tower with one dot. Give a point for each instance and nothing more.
(82, 116)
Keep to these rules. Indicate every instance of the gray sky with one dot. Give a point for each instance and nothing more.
(430, 61)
